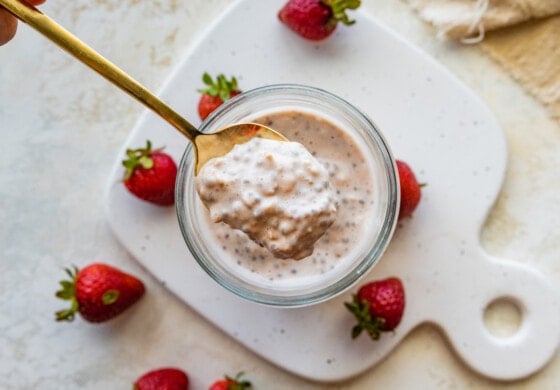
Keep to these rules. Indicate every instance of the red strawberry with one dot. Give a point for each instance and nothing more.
(216, 93)
(163, 379)
(410, 190)
(378, 306)
(316, 19)
(98, 292)
(229, 383)
(150, 175)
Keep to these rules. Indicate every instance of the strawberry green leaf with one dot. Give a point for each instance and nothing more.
(221, 87)
(136, 158)
(339, 8)
(67, 293)
(365, 321)
(356, 331)
(207, 79)
(238, 383)
(66, 315)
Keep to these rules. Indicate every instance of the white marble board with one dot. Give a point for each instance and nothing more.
(430, 120)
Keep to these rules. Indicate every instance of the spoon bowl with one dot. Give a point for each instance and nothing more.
(207, 146)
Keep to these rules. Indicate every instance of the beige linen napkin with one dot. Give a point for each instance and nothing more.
(521, 35)
(464, 18)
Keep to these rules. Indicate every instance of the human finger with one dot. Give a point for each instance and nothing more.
(8, 22)
(34, 2)
(8, 26)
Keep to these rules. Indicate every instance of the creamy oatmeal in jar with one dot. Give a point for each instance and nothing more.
(351, 179)
(362, 176)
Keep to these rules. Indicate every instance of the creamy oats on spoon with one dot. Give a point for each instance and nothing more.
(276, 192)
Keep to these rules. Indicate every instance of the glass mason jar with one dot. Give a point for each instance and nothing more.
(234, 261)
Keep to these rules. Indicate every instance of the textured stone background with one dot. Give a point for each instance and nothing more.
(62, 126)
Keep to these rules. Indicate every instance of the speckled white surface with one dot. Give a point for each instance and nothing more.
(437, 253)
(62, 126)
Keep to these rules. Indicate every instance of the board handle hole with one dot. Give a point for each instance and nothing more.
(503, 317)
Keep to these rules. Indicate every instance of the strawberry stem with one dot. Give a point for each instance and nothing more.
(371, 324)
(67, 293)
(339, 8)
(238, 383)
(140, 157)
(222, 87)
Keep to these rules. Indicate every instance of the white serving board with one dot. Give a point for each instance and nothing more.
(432, 121)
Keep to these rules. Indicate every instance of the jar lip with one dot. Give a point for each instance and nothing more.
(278, 88)
(188, 229)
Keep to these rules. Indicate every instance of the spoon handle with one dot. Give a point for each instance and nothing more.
(67, 41)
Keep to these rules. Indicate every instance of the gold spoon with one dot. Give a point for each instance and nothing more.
(207, 146)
